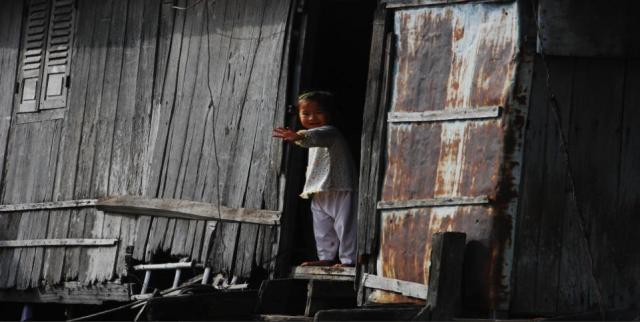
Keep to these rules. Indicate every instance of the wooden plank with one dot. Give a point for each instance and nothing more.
(533, 182)
(324, 273)
(71, 293)
(84, 185)
(453, 114)
(89, 258)
(412, 3)
(165, 96)
(64, 188)
(369, 173)
(628, 192)
(246, 250)
(435, 202)
(600, 82)
(221, 253)
(72, 255)
(554, 196)
(141, 125)
(10, 25)
(121, 145)
(48, 205)
(167, 266)
(405, 288)
(178, 126)
(57, 242)
(445, 275)
(110, 94)
(54, 257)
(186, 209)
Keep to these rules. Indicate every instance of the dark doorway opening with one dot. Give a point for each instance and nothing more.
(335, 58)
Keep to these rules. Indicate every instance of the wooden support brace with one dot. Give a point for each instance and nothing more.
(405, 288)
(445, 277)
(57, 242)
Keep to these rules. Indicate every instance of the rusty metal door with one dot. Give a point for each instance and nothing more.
(451, 142)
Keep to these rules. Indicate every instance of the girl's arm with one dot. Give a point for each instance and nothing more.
(286, 134)
(323, 136)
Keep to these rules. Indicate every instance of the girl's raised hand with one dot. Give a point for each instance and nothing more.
(286, 134)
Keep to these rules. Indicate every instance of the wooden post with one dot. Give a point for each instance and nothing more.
(145, 284)
(445, 277)
(206, 275)
(176, 278)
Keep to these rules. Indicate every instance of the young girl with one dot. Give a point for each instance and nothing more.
(329, 179)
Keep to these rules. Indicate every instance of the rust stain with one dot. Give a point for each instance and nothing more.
(458, 33)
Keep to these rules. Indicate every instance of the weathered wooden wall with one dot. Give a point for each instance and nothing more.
(599, 113)
(150, 87)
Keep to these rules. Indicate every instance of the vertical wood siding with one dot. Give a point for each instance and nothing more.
(150, 88)
(599, 112)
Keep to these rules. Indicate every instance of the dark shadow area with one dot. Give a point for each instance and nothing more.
(336, 60)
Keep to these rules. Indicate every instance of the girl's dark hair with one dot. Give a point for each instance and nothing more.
(324, 99)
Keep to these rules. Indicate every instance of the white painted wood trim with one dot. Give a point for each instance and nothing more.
(411, 289)
(48, 205)
(435, 202)
(57, 242)
(456, 114)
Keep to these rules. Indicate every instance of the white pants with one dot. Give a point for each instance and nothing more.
(334, 226)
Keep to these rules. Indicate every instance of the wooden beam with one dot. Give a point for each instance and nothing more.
(152, 267)
(435, 202)
(412, 3)
(56, 242)
(454, 114)
(324, 273)
(42, 115)
(186, 209)
(48, 205)
(70, 293)
(405, 288)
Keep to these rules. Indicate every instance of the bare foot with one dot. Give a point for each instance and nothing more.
(340, 265)
(318, 263)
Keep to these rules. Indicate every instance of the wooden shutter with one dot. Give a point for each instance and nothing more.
(33, 53)
(56, 72)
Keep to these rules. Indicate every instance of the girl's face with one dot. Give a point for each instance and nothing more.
(311, 115)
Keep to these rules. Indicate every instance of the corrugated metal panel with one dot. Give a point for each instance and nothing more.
(448, 58)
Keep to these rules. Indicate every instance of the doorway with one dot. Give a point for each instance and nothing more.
(334, 58)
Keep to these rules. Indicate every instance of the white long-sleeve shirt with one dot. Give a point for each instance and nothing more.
(330, 166)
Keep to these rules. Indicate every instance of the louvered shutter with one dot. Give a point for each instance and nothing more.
(54, 89)
(33, 53)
